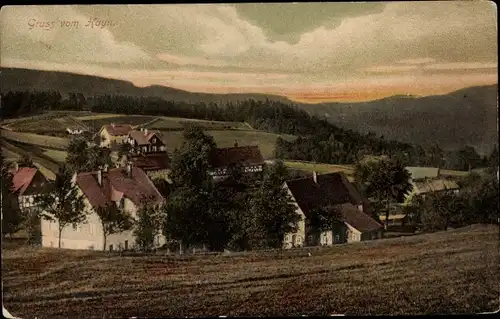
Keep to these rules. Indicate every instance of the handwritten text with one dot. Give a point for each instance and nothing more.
(67, 24)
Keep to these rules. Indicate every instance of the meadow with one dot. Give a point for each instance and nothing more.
(435, 273)
(265, 141)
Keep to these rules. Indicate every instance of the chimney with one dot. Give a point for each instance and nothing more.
(16, 166)
(315, 177)
(105, 168)
(73, 178)
(145, 131)
(99, 177)
(235, 144)
(142, 129)
(129, 169)
(113, 125)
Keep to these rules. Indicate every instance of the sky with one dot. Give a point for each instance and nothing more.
(310, 52)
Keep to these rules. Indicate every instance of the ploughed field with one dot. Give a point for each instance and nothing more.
(447, 272)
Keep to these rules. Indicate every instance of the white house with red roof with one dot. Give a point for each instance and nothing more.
(125, 187)
(114, 134)
(28, 183)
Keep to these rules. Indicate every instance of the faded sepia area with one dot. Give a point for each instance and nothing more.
(249, 159)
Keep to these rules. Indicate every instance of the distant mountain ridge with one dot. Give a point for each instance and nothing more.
(464, 117)
(27, 79)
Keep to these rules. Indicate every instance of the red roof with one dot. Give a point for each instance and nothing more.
(118, 129)
(141, 137)
(245, 155)
(21, 179)
(115, 184)
(151, 161)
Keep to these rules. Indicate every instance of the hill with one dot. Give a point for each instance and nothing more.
(425, 274)
(464, 117)
(17, 79)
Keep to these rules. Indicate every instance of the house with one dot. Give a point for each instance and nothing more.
(114, 134)
(248, 158)
(155, 165)
(330, 191)
(74, 131)
(124, 187)
(145, 141)
(427, 180)
(28, 183)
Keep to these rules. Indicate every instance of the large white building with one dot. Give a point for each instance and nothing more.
(124, 187)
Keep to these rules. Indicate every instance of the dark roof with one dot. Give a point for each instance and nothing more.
(118, 129)
(151, 161)
(357, 219)
(115, 185)
(330, 189)
(245, 155)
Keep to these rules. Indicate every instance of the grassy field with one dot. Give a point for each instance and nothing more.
(42, 125)
(36, 139)
(98, 116)
(118, 119)
(173, 123)
(320, 168)
(265, 141)
(427, 274)
(58, 156)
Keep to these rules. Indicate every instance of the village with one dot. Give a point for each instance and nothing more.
(138, 166)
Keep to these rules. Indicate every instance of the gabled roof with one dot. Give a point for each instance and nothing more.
(117, 129)
(115, 185)
(141, 137)
(434, 185)
(245, 155)
(330, 189)
(151, 161)
(21, 179)
(357, 219)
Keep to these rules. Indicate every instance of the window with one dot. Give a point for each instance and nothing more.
(154, 148)
(337, 238)
(154, 140)
(310, 239)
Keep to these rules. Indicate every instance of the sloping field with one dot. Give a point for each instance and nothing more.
(428, 274)
(320, 168)
(173, 123)
(11, 156)
(49, 124)
(36, 139)
(265, 141)
(118, 119)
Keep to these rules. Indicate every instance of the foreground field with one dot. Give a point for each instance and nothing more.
(441, 273)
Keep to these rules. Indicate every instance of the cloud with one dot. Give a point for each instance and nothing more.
(391, 68)
(59, 33)
(416, 61)
(461, 66)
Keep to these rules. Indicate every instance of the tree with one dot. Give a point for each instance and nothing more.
(113, 220)
(63, 204)
(84, 158)
(325, 218)
(385, 180)
(147, 226)
(191, 162)
(12, 218)
(26, 161)
(124, 150)
(272, 212)
(441, 210)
